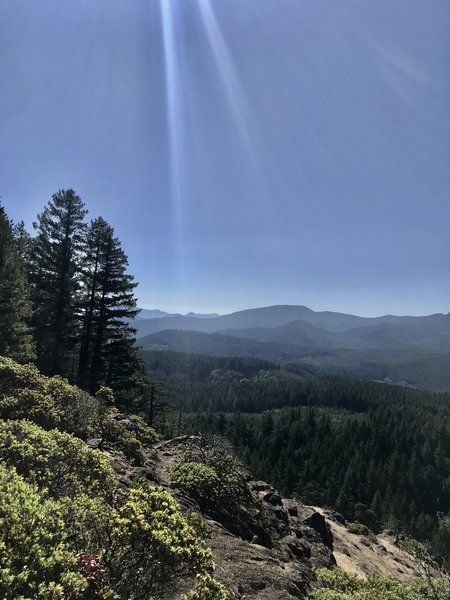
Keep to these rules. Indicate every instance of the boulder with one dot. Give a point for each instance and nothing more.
(318, 523)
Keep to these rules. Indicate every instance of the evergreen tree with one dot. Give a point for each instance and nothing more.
(55, 271)
(15, 337)
(108, 355)
(23, 242)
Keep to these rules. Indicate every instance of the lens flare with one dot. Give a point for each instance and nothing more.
(229, 78)
(175, 127)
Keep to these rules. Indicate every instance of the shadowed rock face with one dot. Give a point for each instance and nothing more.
(318, 523)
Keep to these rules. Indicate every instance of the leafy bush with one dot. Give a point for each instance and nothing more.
(118, 435)
(157, 542)
(66, 531)
(83, 548)
(146, 434)
(206, 588)
(147, 543)
(51, 402)
(338, 585)
(213, 476)
(360, 529)
(117, 432)
(35, 558)
(54, 460)
(366, 516)
(199, 481)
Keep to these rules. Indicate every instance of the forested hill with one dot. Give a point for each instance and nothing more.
(378, 453)
(419, 358)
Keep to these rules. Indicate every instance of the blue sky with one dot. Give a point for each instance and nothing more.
(247, 152)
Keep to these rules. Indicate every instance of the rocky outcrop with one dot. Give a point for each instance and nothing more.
(273, 552)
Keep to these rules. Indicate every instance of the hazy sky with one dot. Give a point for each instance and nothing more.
(247, 152)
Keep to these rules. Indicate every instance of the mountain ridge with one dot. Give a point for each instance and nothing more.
(276, 316)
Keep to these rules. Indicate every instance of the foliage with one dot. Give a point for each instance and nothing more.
(212, 475)
(180, 366)
(360, 529)
(67, 532)
(157, 542)
(338, 585)
(129, 439)
(118, 435)
(440, 543)
(35, 558)
(378, 454)
(49, 402)
(139, 546)
(15, 337)
(145, 434)
(55, 263)
(94, 573)
(107, 352)
(54, 460)
(68, 300)
(206, 588)
(428, 566)
(368, 516)
(199, 481)
(144, 540)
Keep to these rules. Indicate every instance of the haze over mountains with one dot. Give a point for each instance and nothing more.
(300, 325)
(155, 313)
(406, 349)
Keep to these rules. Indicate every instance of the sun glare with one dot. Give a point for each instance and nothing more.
(229, 78)
(175, 127)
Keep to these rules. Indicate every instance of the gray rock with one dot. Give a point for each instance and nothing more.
(273, 498)
(318, 523)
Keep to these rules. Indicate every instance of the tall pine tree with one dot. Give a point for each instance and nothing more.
(107, 355)
(15, 337)
(55, 275)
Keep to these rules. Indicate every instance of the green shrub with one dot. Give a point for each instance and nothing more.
(147, 543)
(140, 546)
(199, 481)
(366, 516)
(51, 402)
(339, 585)
(35, 558)
(157, 543)
(146, 434)
(214, 477)
(360, 529)
(207, 588)
(54, 460)
(118, 435)
(116, 432)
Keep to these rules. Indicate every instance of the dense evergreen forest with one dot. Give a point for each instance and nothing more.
(378, 453)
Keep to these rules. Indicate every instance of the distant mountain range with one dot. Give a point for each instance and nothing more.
(154, 313)
(302, 326)
(413, 350)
